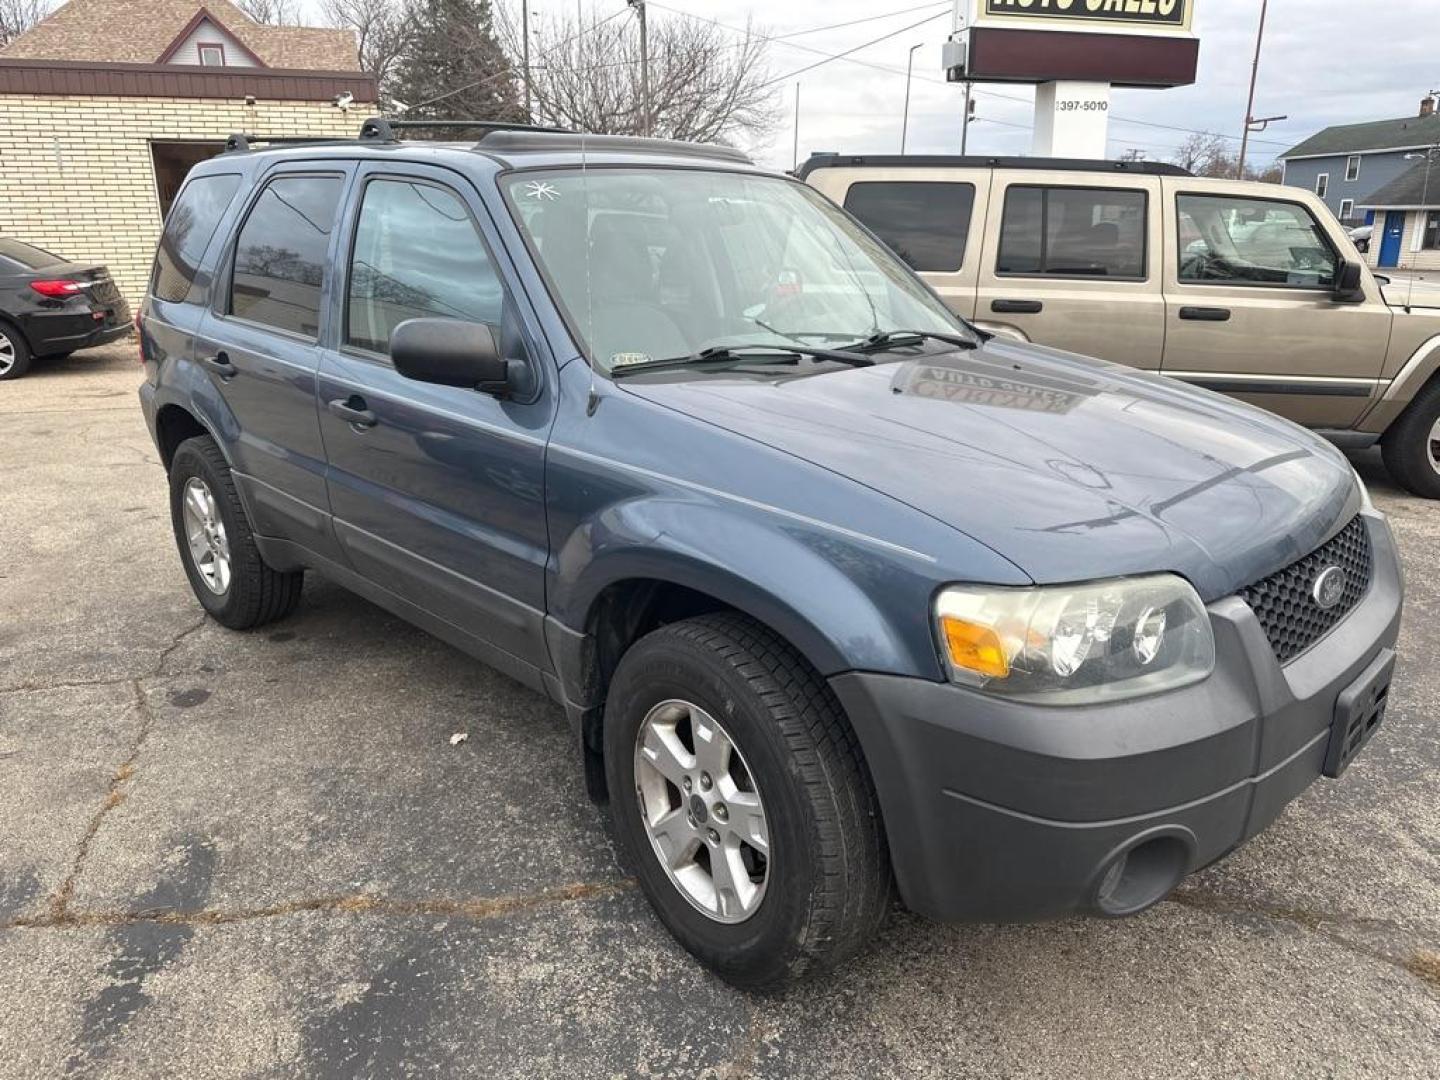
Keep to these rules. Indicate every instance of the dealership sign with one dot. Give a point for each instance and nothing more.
(1102, 16)
(1115, 42)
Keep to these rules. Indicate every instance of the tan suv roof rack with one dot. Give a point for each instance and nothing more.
(933, 161)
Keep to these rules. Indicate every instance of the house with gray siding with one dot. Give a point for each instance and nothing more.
(1348, 164)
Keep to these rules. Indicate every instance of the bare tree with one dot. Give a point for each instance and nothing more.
(1207, 154)
(1200, 153)
(17, 16)
(271, 12)
(705, 85)
(384, 29)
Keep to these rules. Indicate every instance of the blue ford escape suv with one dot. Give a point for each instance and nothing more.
(841, 596)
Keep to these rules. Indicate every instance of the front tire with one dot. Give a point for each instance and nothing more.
(1411, 447)
(740, 797)
(217, 546)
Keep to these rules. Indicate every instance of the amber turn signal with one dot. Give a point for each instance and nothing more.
(973, 647)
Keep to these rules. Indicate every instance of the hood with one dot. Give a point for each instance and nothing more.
(1071, 468)
(1406, 293)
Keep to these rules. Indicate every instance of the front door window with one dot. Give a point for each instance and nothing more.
(1267, 242)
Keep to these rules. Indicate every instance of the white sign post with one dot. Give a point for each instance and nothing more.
(1072, 119)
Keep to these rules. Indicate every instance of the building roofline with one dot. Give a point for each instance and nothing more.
(1354, 153)
(79, 78)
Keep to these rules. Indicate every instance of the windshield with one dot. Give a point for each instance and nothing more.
(653, 264)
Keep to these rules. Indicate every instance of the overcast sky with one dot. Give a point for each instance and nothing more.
(1325, 62)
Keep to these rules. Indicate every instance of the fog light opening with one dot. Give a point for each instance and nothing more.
(1141, 876)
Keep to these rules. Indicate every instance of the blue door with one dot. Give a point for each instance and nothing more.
(1394, 237)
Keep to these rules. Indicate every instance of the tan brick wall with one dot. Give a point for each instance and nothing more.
(77, 177)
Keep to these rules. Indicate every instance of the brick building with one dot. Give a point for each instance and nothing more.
(106, 104)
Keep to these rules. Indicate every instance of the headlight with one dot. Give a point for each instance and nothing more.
(1076, 644)
(1365, 503)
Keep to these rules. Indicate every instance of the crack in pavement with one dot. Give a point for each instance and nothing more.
(115, 791)
(62, 918)
(156, 672)
(114, 796)
(1423, 964)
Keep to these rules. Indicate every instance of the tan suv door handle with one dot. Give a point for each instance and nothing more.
(1205, 314)
(1017, 307)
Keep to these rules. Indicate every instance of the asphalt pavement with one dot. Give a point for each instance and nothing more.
(260, 855)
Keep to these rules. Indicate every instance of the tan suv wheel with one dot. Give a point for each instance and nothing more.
(1412, 445)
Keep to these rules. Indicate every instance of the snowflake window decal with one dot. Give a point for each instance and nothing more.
(539, 189)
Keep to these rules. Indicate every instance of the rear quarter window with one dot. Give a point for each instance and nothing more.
(926, 223)
(188, 230)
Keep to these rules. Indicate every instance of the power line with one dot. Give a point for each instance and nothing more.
(855, 22)
(841, 56)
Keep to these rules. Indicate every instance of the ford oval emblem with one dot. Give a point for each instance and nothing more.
(1329, 588)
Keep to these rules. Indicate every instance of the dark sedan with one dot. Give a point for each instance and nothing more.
(50, 306)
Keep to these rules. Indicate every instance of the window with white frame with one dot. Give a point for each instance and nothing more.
(1347, 209)
(1352, 168)
(1322, 184)
(1430, 236)
(212, 55)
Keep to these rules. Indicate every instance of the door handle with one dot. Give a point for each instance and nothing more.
(1016, 307)
(220, 365)
(1205, 314)
(353, 411)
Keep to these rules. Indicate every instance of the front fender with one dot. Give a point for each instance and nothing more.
(843, 603)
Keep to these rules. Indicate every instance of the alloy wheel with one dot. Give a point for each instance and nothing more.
(703, 813)
(7, 353)
(1432, 446)
(205, 533)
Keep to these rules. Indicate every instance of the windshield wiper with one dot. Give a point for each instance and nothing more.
(887, 339)
(749, 354)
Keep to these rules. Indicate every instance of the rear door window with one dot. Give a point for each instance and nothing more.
(1073, 232)
(192, 222)
(417, 253)
(282, 251)
(925, 223)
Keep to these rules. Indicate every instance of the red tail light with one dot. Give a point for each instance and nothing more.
(57, 290)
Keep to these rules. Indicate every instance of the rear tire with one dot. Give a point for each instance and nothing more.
(824, 883)
(14, 352)
(1411, 447)
(217, 546)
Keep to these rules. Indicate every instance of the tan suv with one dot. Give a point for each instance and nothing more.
(1248, 289)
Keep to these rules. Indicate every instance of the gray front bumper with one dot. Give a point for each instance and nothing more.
(1002, 811)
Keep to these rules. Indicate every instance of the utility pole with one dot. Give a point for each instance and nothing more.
(1254, 77)
(525, 53)
(795, 147)
(966, 120)
(639, 6)
(905, 121)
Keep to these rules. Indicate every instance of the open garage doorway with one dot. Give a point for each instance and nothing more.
(173, 162)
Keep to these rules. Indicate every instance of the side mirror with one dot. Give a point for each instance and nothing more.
(451, 352)
(1349, 283)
